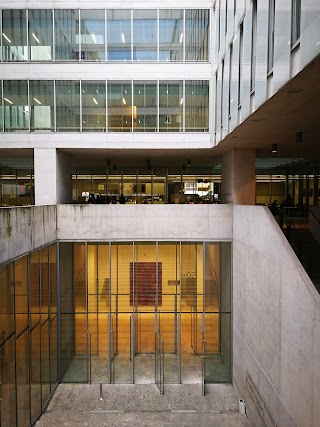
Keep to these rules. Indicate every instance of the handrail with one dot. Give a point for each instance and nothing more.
(314, 215)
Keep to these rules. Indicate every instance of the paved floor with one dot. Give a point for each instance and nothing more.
(142, 405)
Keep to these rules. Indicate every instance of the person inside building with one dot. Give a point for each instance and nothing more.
(122, 199)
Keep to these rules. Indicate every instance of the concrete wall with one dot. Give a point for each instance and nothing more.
(150, 222)
(23, 229)
(276, 325)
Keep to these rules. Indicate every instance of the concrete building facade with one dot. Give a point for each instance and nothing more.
(175, 106)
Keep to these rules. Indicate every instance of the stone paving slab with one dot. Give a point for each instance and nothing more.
(142, 405)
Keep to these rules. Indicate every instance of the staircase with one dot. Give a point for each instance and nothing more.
(307, 250)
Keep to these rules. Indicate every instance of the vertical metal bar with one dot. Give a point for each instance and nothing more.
(132, 348)
(101, 397)
(109, 347)
(86, 291)
(90, 358)
(162, 367)
(196, 327)
(105, 36)
(220, 294)
(203, 367)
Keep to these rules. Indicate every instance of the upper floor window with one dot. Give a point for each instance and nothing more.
(295, 21)
(106, 35)
(271, 16)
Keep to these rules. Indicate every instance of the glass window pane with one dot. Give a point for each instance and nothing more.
(66, 27)
(1, 110)
(24, 187)
(197, 35)
(92, 35)
(22, 369)
(144, 35)
(145, 106)
(93, 106)
(40, 34)
(197, 105)
(8, 381)
(21, 288)
(119, 107)
(14, 35)
(35, 373)
(42, 105)
(6, 302)
(68, 105)
(34, 288)
(171, 35)
(171, 106)
(119, 35)
(16, 106)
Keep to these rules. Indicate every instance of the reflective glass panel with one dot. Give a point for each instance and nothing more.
(171, 106)
(197, 104)
(171, 38)
(93, 106)
(119, 35)
(1, 110)
(144, 35)
(68, 105)
(40, 34)
(6, 302)
(92, 35)
(66, 27)
(119, 107)
(22, 372)
(145, 106)
(42, 105)
(16, 106)
(14, 35)
(21, 297)
(34, 268)
(35, 373)
(8, 381)
(197, 34)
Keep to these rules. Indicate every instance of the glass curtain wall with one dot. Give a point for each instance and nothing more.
(66, 27)
(145, 35)
(120, 107)
(14, 35)
(28, 342)
(93, 96)
(41, 105)
(68, 106)
(92, 39)
(80, 106)
(40, 30)
(170, 35)
(126, 297)
(16, 106)
(171, 106)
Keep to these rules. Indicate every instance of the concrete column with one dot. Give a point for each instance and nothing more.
(52, 177)
(238, 177)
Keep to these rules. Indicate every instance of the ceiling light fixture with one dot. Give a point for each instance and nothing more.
(8, 100)
(181, 38)
(95, 101)
(274, 148)
(35, 37)
(37, 100)
(7, 38)
(123, 39)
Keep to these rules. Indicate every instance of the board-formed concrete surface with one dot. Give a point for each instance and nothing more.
(143, 405)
